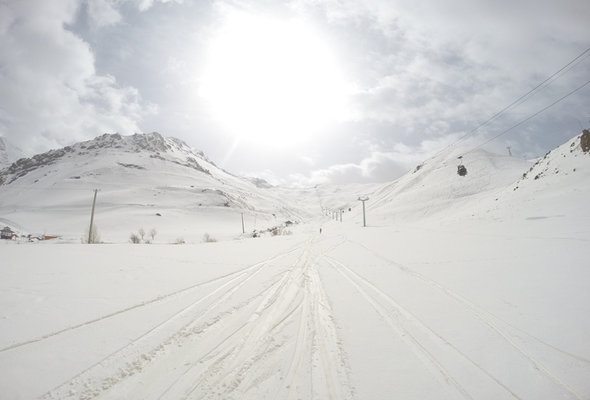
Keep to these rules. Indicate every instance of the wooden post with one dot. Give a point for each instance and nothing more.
(92, 217)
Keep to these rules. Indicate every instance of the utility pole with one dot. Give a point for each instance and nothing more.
(92, 217)
(243, 230)
(509, 151)
(363, 199)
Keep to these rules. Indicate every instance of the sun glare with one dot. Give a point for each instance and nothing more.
(272, 81)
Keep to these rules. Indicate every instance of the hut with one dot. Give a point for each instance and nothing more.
(7, 234)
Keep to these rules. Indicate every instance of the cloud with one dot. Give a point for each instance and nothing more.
(51, 92)
(106, 12)
(428, 69)
(424, 73)
(379, 165)
(102, 13)
(144, 5)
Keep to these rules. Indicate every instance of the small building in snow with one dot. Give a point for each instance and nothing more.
(7, 233)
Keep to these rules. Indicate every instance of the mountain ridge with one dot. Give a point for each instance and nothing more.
(153, 143)
(145, 175)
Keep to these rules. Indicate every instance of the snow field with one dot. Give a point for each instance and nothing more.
(352, 313)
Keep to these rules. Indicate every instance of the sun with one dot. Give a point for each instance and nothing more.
(272, 81)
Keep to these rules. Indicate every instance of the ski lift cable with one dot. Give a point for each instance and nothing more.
(553, 77)
(537, 88)
(529, 117)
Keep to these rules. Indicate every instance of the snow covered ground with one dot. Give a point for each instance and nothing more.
(369, 313)
(475, 288)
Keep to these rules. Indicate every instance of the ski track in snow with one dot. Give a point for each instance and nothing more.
(267, 330)
(393, 320)
(401, 314)
(288, 331)
(485, 317)
(142, 304)
(245, 273)
(220, 360)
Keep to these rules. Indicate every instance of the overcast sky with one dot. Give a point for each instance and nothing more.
(301, 91)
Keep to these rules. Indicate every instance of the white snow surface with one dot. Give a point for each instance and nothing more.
(473, 287)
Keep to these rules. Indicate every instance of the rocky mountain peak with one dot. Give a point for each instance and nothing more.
(153, 145)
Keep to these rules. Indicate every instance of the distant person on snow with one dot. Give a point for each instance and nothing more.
(320, 231)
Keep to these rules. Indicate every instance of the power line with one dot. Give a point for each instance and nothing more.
(529, 117)
(576, 60)
(526, 95)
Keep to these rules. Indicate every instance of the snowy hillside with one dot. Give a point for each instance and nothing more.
(435, 188)
(498, 193)
(144, 180)
(566, 166)
(552, 193)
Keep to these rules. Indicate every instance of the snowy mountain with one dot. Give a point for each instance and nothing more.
(143, 180)
(497, 188)
(434, 188)
(559, 166)
(147, 180)
(553, 191)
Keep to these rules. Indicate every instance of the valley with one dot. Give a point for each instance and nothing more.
(458, 288)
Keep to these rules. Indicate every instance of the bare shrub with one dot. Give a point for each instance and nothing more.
(141, 233)
(134, 238)
(208, 238)
(180, 241)
(280, 231)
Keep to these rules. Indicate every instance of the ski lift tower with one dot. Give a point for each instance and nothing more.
(363, 199)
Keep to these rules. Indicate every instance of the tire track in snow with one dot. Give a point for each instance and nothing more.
(414, 319)
(429, 360)
(241, 350)
(246, 274)
(243, 364)
(484, 316)
(228, 370)
(317, 326)
(326, 344)
(217, 363)
(300, 338)
(137, 306)
(94, 386)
